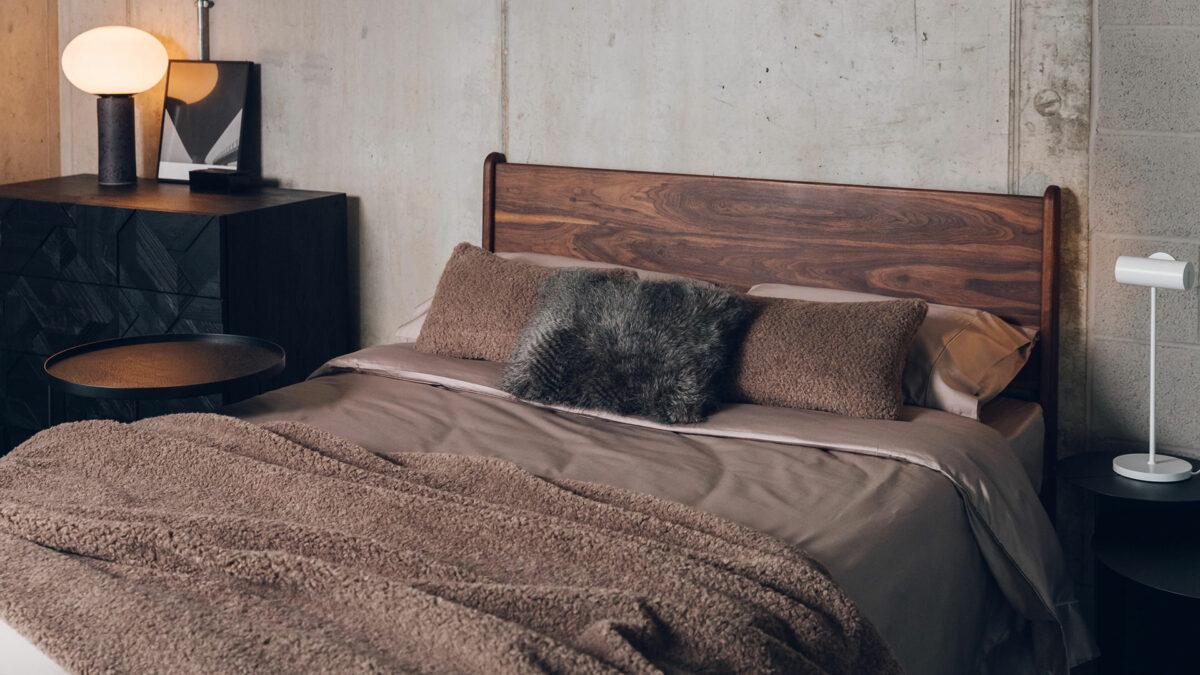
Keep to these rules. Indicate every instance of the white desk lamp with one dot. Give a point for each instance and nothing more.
(1158, 271)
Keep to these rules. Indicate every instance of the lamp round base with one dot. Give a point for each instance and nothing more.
(1164, 469)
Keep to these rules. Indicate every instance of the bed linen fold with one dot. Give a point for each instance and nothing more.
(1010, 527)
(204, 543)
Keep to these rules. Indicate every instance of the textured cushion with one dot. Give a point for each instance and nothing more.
(411, 329)
(960, 359)
(845, 358)
(634, 347)
(481, 305)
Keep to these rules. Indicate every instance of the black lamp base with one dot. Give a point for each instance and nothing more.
(114, 118)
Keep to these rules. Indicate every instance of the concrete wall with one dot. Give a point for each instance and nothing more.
(28, 95)
(396, 103)
(1145, 166)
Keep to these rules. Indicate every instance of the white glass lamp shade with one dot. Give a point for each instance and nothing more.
(114, 60)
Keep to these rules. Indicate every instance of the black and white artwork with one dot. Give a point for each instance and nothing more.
(202, 123)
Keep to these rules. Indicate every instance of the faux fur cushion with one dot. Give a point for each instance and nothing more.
(481, 305)
(652, 348)
(839, 357)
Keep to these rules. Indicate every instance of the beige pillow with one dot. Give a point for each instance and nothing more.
(481, 305)
(844, 358)
(960, 359)
(411, 329)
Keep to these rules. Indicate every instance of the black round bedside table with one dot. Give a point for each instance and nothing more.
(1146, 542)
(162, 367)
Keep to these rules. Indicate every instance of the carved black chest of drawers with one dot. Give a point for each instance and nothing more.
(80, 263)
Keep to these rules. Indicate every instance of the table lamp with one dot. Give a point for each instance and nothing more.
(115, 62)
(1160, 270)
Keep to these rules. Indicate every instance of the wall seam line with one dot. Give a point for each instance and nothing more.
(1148, 133)
(1187, 346)
(1014, 96)
(1167, 238)
(1090, 291)
(504, 76)
(1152, 26)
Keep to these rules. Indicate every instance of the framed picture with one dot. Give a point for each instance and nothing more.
(203, 122)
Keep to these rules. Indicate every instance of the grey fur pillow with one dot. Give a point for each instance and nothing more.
(658, 349)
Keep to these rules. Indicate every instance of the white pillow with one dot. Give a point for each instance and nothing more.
(411, 330)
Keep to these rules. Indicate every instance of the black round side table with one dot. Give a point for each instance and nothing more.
(162, 367)
(1146, 541)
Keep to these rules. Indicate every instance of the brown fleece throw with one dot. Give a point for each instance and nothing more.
(202, 543)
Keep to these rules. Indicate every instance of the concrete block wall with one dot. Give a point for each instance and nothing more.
(1145, 168)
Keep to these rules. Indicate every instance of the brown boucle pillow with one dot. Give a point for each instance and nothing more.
(840, 357)
(482, 304)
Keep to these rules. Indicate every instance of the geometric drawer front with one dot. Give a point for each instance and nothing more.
(56, 241)
(44, 316)
(172, 253)
(157, 313)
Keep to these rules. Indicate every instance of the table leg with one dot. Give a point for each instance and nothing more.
(49, 406)
(137, 410)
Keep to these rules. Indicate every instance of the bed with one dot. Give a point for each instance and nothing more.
(932, 525)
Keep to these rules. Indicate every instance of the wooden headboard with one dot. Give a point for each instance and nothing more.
(989, 251)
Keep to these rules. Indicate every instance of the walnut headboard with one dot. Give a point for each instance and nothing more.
(990, 251)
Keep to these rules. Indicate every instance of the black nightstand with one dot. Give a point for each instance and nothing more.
(1147, 546)
(81, 263)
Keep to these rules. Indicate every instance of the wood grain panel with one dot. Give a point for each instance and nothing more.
(974, 250)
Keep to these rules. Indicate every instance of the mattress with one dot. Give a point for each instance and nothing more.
(893, 534)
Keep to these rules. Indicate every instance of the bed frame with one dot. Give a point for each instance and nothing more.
(990, 251)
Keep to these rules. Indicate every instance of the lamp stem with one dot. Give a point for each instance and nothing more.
(1153, 349)
(202, 7)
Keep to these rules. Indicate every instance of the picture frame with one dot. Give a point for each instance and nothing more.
(204, 118)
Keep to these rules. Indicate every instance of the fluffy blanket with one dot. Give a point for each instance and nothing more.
(202, 543)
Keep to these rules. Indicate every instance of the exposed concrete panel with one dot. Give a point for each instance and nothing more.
(1149, 79)
(1146, 184)
(29, 123)
(395, 103)
(881, 91)
(1052, 129)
